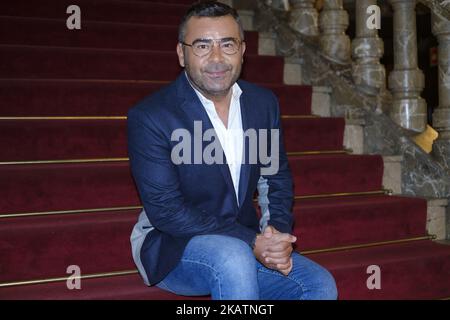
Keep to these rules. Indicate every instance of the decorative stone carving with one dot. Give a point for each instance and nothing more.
(333, 21)
(441, 7)
(406, 81)
(304, 17)
(277, 4)
(421, 174)
(441, 115)
(367, 48)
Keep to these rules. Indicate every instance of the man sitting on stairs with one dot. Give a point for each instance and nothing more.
(199, 233)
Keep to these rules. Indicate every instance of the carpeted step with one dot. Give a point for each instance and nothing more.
(415, 270)
(84, 139)
(95, 242)
(108, 98)
(128, 287)
(49, 187)
(343, 221)
(60, 62)
(100, 10)
(336, 173)
(36, 188)
(53, 32)
(313, 134)
(63, 139)
(51, 243)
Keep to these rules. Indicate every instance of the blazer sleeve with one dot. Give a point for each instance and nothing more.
(158, 184)
(279, 186)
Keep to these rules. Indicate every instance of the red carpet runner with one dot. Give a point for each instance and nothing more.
(125, 51)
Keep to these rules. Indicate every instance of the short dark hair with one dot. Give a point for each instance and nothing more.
(208, 9)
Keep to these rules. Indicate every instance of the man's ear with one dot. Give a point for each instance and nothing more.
(180, 54)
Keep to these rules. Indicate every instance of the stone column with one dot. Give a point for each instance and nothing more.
(333, 22)
(304, 17)
(441, 115)
(406, 81)
(368, 74)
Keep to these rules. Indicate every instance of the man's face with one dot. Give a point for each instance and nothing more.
(215, 73)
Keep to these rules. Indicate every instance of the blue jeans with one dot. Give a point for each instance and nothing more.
(226, 268)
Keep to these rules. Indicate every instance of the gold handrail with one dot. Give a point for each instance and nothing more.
(129, 272)
(50, 213)
(115, 117)
(126, 208)
(94, 160)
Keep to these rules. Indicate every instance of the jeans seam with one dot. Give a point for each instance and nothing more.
(212, 268)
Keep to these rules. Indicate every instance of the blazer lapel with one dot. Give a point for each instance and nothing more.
(246, 166)
(196, 112)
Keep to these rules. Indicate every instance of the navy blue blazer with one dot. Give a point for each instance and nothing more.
(185, 200)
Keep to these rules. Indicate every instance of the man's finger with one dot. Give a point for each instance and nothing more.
(272, 228)
(268, 232)
(283, 260)
(278, 254)
(286, 271)
(283, 266)
(286, 237)
(290, 263)
(279, 247)
(271, 266)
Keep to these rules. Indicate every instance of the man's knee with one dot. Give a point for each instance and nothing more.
(235, 252)
(318, 283)
(235, 269)
(326, 285)
(224, 251)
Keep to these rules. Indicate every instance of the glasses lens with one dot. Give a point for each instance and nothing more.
(202, 48)
(230, 46)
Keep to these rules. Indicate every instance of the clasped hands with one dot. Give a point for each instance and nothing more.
(273, 249)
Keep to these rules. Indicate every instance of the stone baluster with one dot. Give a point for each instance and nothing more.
(333, 22)
(278, 4)
(304, 17)
(441, 115)
(406, 81)
(367, 48)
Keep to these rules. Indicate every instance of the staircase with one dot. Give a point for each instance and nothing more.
(68, 197)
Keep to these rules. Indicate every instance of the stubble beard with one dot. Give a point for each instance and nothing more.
(199, 81)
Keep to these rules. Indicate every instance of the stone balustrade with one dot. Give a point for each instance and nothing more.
(367, 49)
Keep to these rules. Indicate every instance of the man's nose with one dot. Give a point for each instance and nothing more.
(216, 52)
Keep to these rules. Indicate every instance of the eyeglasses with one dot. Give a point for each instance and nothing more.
(202, 47)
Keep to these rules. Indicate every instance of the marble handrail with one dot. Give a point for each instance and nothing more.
(422, 175)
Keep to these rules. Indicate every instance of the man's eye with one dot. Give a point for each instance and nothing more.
(202, 46)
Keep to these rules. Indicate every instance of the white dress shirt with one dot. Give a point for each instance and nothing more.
(231, 137)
